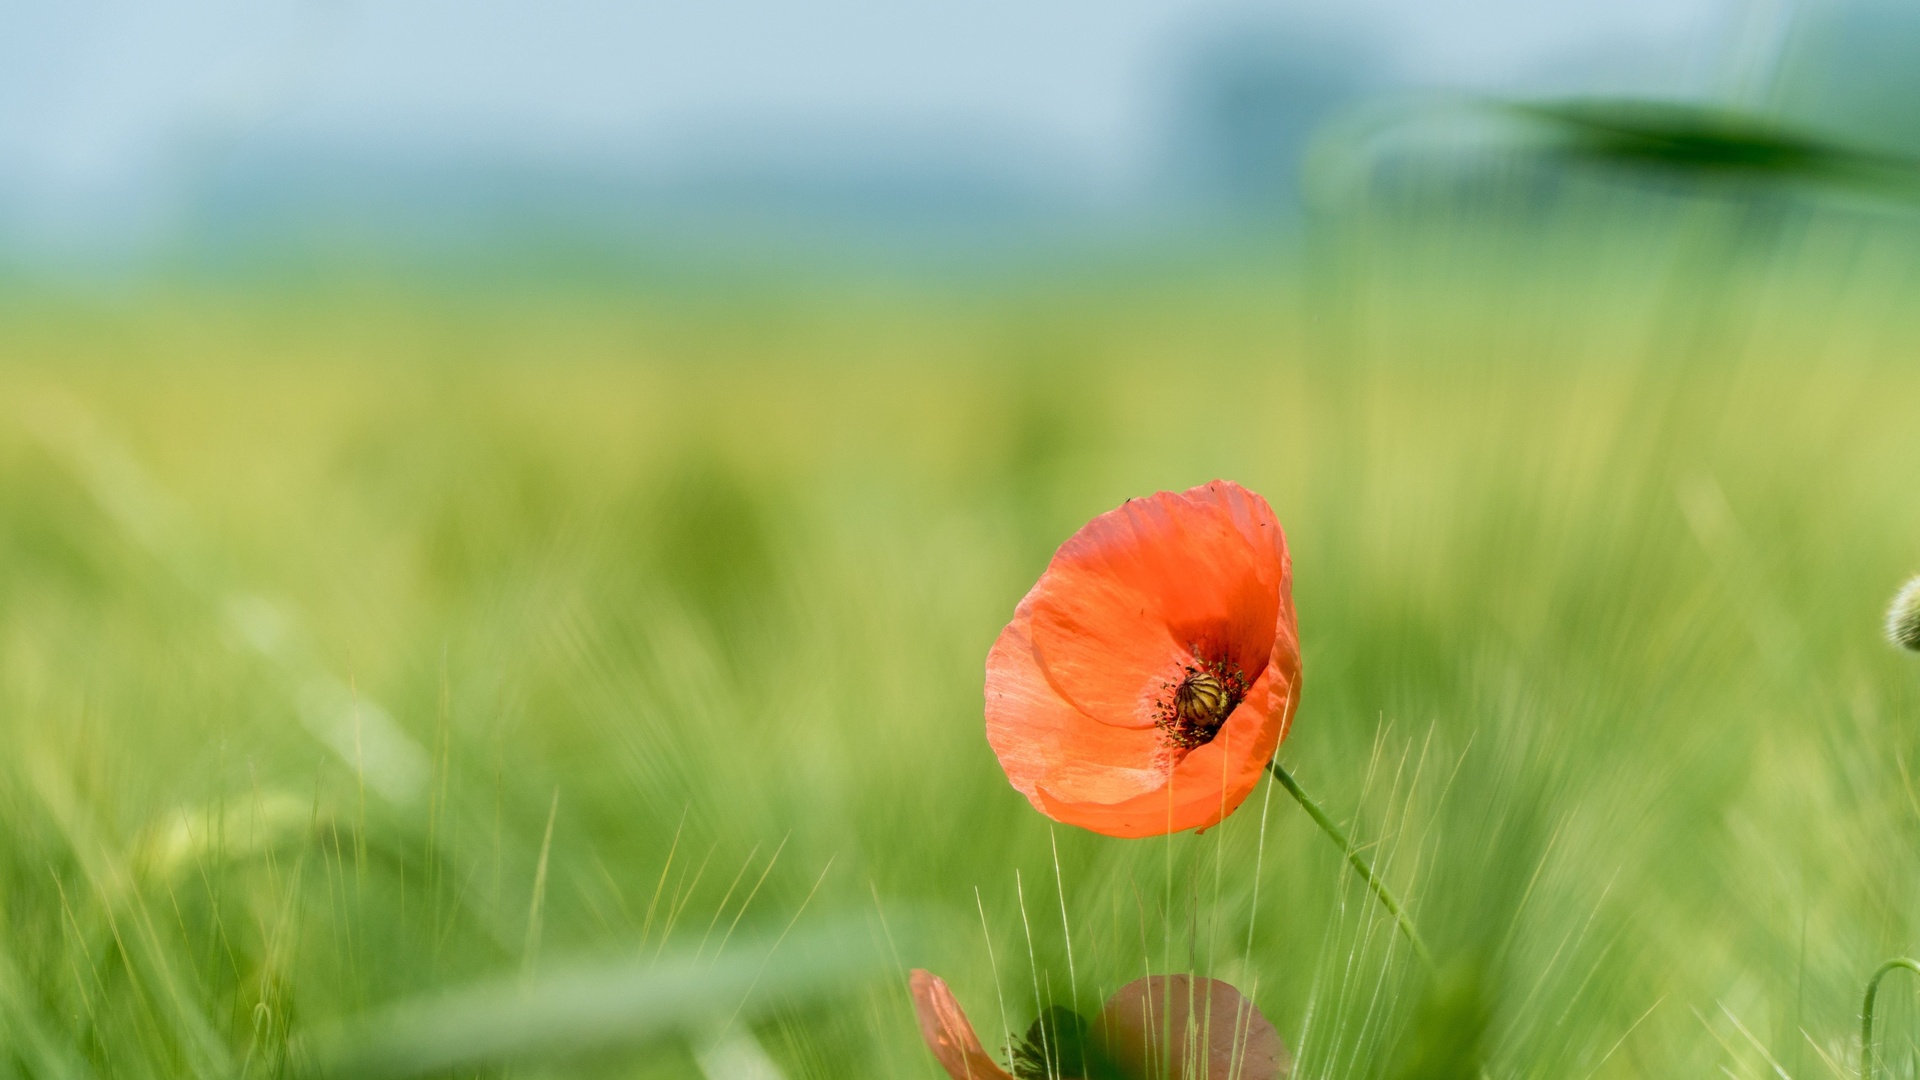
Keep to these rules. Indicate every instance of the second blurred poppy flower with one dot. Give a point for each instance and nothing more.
(1152, 671)
(1177, 1027)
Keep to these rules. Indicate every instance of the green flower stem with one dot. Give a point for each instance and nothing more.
(1373, 881)
(1866, 1010)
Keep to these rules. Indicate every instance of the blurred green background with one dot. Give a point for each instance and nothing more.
(517, 610)
(365, 644)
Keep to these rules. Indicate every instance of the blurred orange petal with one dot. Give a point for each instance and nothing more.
(1188, 1028)
(948, 1033)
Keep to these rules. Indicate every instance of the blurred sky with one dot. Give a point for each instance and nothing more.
(114, 112)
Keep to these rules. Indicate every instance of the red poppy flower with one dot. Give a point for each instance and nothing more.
(1150, 674)
(1174, 1026)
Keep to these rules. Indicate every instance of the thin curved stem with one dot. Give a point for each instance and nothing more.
(1360, 866)
(1866, 1009)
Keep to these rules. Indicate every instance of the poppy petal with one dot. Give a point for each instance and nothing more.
(948, 1032)
(1209, 783)
(1042, 739)
(1250, 514)
(1130, 599)
(1189, 1028)
(1256, 521)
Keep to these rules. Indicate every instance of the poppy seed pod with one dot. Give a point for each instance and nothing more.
(1903, 617)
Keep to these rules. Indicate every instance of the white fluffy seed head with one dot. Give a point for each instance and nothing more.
(1903, 617)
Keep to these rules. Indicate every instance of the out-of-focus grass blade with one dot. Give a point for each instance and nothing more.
(1683, 141)
(594, 1006)
(1702, 140)
(366, 737)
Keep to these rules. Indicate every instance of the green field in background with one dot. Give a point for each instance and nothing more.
(364, 646)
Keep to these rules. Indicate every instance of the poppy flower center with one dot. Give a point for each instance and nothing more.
(1201, 703)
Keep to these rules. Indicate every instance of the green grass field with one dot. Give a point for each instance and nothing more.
(411, 682)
